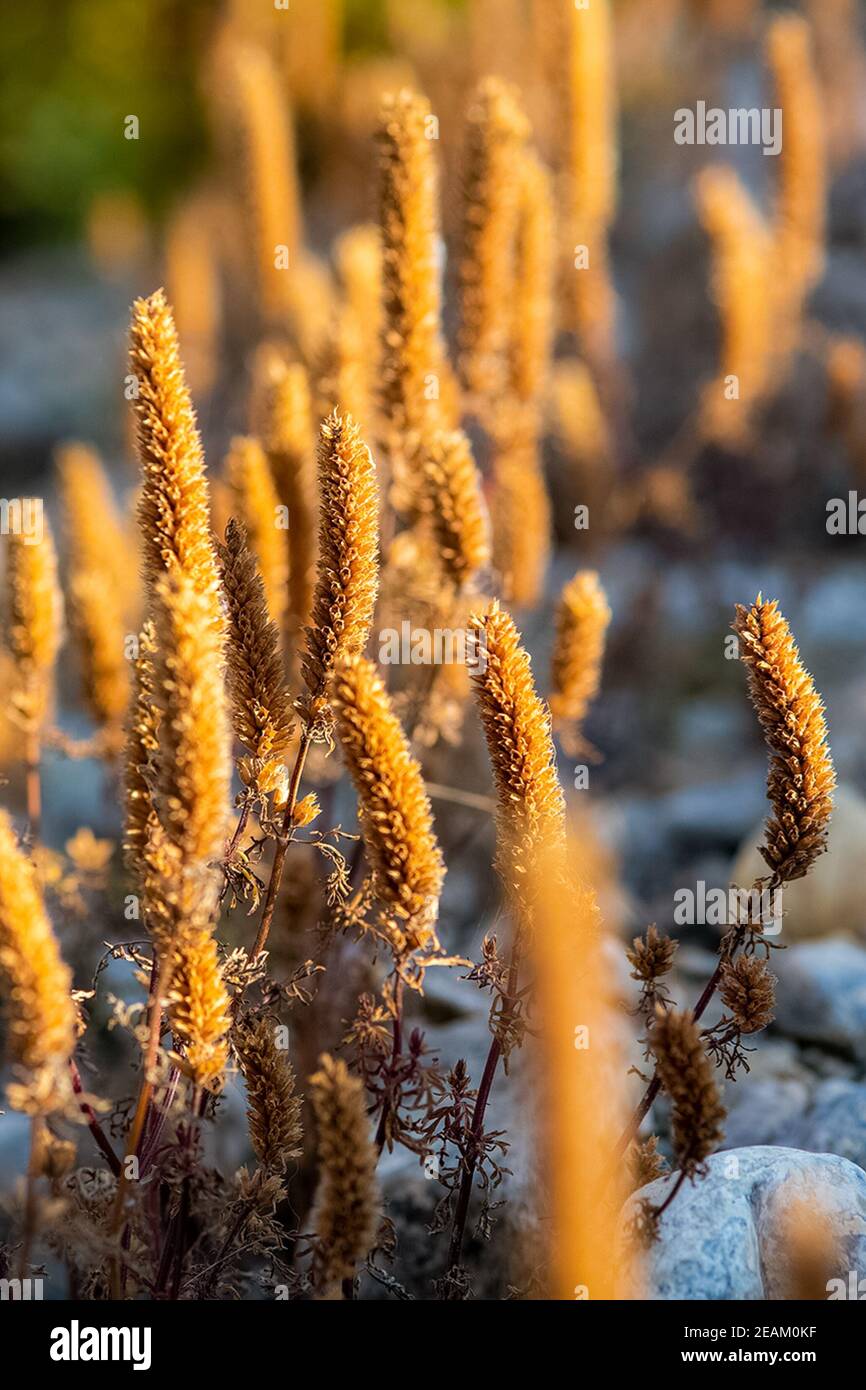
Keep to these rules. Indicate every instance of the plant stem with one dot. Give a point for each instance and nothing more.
(396, 1052)
(241, 826)
(470, 1160)
(160, 974)
(283, 843)
(99, 1135)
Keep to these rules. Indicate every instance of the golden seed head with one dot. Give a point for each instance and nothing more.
(801, 208)
(200, 1008)
(282, 417)
(347, 1205)
(193, 760)
(173, 510)
(801, 777)
(273, 1108)
(96, 531)
(459, 510)
(395, 812)
(37, 985)
(102, 592)
(412, 346)
(530, 815)
(496, 132)
(742, 285)
(531, 317)
(688, 1077)
(257, 504)
(582, 618)
(260, 699)
(520, 512)
(348, 567)
(264, 142)
(34, 622)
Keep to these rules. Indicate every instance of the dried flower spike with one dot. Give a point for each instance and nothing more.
(346, 1209)
(801, 778)
(413, 351)
(686, 1074)
(801, 209)
(521, 518)
(173, 511)
(531, 335)
(193, 763)
(396, 817)
(530, 813)
(582, 618)
(496, 131)
(459, 510)
(34, 623)
(261, 703)
(36, 983)
(256, 503)
(348, 567)
(200, 1009)
(273, 1108)
(282, 417)
(748, 990)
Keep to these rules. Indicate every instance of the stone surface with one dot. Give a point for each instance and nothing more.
(821, 994)
(722, 1238)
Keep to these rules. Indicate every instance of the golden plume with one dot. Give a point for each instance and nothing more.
(459, 511)
(257, 505)
(348, 566)
(358, 329)
(742, 284)
(531, 315)
(581, 1080)
(590, 168)
(173, 510)
(192, 275)
(801, 209)
(142, 743)
(34, 623)
(200, 1009)
(496, 131)
(95, 530)
(358, 257)
(414, 364)
(37, 985)
(530, 816)
(192, 763)
(282, 417)
(395, 813)
(273, 1108)
(801, 778)
(582, 617)
(347, 1206)
(101, 597)
(264, 148)
(261, 702)
(520, 513)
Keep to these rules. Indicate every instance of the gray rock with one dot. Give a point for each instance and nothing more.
(722, 1238)
(762, 1112)
(821, 994)
(834, 1122)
